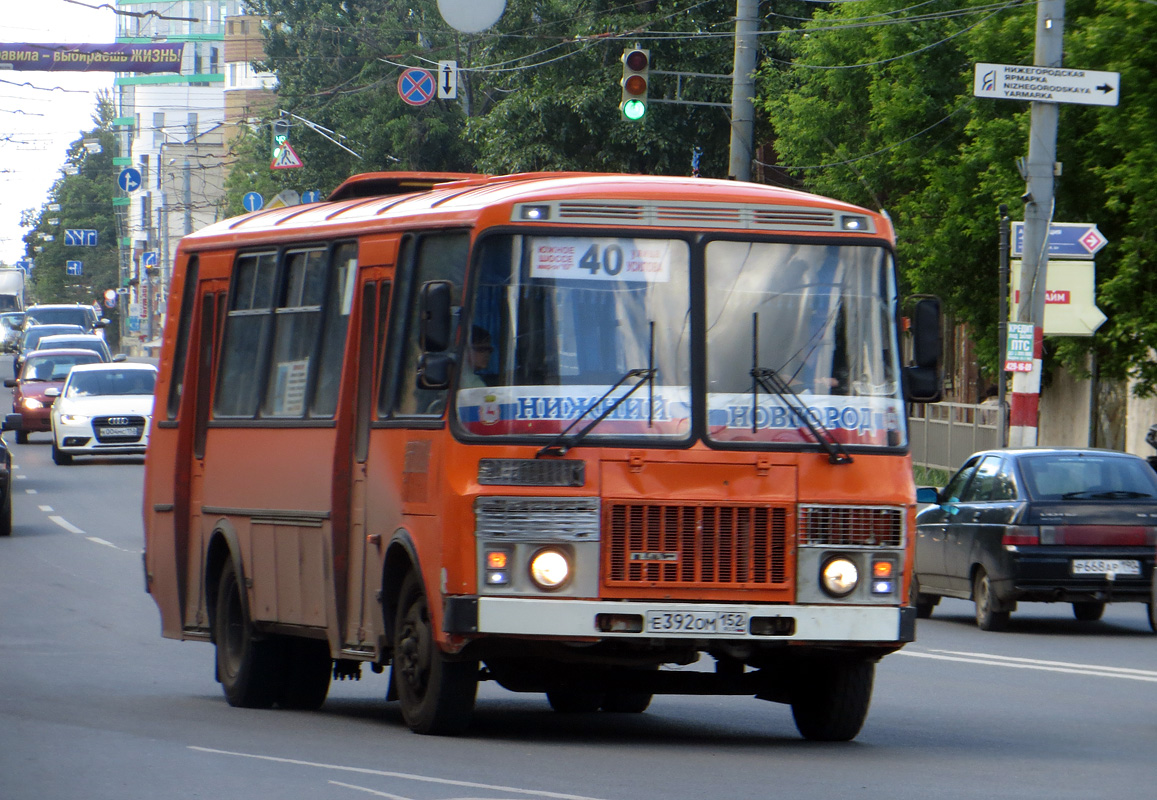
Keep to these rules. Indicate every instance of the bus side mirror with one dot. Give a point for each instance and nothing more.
(926, 342)
(922, 381)
(434, 370)
(436, 317)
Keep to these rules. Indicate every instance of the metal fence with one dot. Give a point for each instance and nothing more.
(944, 434)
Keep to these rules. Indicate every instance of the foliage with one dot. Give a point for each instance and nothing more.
(882, 114)
(538, 91)
(85, 201)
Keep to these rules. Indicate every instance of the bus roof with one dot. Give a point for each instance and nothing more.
(609, 200)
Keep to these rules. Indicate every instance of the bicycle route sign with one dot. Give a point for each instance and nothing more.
(417, 86)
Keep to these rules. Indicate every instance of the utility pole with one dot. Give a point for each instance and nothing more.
(743, 89)
(1039, 173)
(1002, 326)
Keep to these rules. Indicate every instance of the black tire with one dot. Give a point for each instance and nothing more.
(830, 700)
(573, 701)
(21, 437)
(987, 618)
(1152, 608)
(924, 603)
(1089, 612)
(247, 664)
(306, 673)
(619, 702)
(59, 457)
(436, 694)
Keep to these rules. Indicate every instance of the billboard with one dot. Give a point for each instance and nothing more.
(92, 57)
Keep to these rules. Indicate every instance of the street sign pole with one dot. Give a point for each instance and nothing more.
(1040, 169)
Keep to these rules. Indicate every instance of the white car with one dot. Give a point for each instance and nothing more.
(103, 409)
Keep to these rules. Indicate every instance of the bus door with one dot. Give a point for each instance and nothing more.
(366, 546)
(206, 326)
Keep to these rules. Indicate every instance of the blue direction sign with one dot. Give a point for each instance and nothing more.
(252, 201)
(417, 86)
(310, 196)
(25, 264)
(129, 179)
(1066, 240)
(80, 237)
(73, 267)
(149, 259)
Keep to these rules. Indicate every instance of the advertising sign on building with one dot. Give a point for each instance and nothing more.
(121, 57)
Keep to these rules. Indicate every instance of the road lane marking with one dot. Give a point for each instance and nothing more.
(68, 526)
(29, 491)
(105, 542)
(388, 774)
(46, 509)
(1013, 662)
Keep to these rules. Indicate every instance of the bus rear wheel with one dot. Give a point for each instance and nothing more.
(830, 700)
(247, 664)
(436, 694)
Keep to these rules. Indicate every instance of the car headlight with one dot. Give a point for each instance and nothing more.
(73, 419)
(32, 404)
(550, 569)
(839, 576)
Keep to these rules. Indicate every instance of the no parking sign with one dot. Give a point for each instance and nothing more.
(417, 86)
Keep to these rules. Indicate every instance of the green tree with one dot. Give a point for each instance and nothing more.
(877, 109)
(84, 194)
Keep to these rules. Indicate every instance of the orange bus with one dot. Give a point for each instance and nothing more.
(595, 436)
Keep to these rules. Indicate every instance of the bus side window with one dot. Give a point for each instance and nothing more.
(296, 330)
(247, 331)
(180, 352)
(436, 258)
(342, 274)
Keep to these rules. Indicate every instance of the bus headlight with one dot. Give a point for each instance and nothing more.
(550, 569)
(839, 576)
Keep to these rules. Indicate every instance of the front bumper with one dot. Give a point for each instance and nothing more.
(579, 619)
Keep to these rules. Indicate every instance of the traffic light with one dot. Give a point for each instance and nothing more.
(280, 135)
(636, 64)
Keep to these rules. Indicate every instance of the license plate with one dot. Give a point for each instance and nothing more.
(133, 432)
(1103, 566)
(705, 622)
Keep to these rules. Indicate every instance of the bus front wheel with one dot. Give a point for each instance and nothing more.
(246, 663)
(830, 700)
(436, 694)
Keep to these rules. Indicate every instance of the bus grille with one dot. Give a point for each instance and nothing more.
(851, 526)
(695, 544)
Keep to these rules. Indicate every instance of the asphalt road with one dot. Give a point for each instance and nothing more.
(95, 704)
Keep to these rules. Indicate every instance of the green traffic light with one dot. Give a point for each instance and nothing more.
(634, 109)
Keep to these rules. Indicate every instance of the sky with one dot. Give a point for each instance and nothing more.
(39, 121)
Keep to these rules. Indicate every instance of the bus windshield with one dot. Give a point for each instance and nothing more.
(822, 317)
(558, 321)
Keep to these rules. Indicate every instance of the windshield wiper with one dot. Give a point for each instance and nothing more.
(772, 383)
(558, 446)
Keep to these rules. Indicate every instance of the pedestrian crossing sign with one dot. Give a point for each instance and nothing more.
(285, 158)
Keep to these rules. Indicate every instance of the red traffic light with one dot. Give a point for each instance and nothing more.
(636, 60)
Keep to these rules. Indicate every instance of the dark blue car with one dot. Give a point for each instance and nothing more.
(1044, 524)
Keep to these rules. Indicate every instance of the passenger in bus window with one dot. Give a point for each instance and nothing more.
(478, 358)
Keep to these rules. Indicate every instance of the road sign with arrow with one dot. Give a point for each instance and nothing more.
(447, 80)
(1046, 84)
